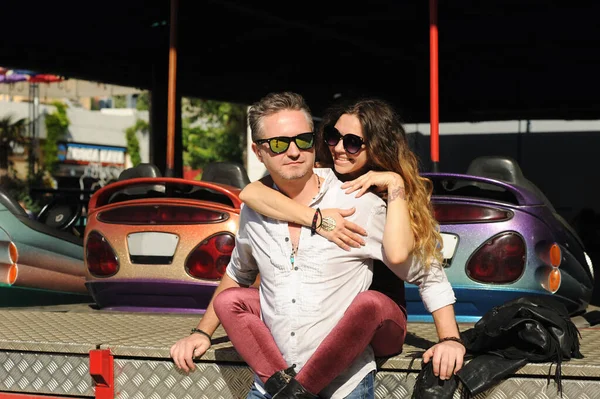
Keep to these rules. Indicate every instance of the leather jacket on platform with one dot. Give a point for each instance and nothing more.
(529, 329)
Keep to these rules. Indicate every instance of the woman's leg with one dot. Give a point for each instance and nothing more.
(239, 312)
(371, 318)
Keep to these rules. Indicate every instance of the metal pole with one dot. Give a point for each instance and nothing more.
(434, 86)
(172, 91)
(34, 107)
(36, 121)
(31, 133)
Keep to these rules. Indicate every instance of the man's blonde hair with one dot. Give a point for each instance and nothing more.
(273, 103)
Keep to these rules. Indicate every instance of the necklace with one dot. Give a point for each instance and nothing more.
(295, 249)
(318, 186)
(293, 255)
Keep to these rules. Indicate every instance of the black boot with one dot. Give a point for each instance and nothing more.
(294, 390)
(279, 380)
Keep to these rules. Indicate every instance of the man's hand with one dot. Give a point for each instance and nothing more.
(184, 350)
(345, 234)
(447, 358)
(195, 345)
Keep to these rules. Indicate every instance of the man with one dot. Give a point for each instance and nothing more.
(306, 282)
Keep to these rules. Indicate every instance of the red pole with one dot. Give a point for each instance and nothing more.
(171, 91)
(434, 106)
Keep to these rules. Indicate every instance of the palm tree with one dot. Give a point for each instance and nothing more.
(11, 132)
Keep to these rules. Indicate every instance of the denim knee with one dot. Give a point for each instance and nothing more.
(365, 388)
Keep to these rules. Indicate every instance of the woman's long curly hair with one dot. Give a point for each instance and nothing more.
(388, 150)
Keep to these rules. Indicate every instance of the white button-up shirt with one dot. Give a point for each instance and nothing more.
(301, 301)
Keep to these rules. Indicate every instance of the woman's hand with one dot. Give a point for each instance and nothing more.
(380, 180)
(447, 356)
(345, 234)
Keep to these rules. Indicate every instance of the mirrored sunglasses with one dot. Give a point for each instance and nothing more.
(352, 143)
(279, 145)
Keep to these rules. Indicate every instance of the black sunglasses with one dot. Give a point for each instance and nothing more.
(352, 143)
(279, 145)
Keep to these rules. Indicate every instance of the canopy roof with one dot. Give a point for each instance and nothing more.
(509, 59)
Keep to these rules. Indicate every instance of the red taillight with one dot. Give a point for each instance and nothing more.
(500, 260)
(225, 243)
(210, 259)
(100, 257)
(161, 214)
(461, 213)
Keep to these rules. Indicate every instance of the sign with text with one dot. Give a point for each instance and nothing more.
(83, 154)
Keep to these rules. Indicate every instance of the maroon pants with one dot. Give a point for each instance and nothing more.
(372, 318)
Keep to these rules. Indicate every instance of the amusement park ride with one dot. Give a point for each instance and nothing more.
(115, 341)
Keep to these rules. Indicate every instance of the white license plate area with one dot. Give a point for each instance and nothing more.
(450, 244)
(152, 244)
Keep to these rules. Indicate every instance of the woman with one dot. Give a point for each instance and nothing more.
(365, 143)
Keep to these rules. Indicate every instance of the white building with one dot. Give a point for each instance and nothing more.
(91, 139)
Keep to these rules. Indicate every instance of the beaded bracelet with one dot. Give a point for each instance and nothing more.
(455, 339)
(313, 226)
(199, 331)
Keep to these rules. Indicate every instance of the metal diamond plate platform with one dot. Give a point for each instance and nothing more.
(151, 379)
(45, 351)
(391, 385)
(126, 334)
(44, 373)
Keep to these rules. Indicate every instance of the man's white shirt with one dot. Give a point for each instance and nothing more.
(302, 303)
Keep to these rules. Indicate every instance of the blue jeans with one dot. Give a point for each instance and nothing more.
(364, 390)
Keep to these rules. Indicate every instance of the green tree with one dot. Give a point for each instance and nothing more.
(133, 144)
(143, 101)
(212, 131)
(12, 132)
(119, 101)
(57, 124)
